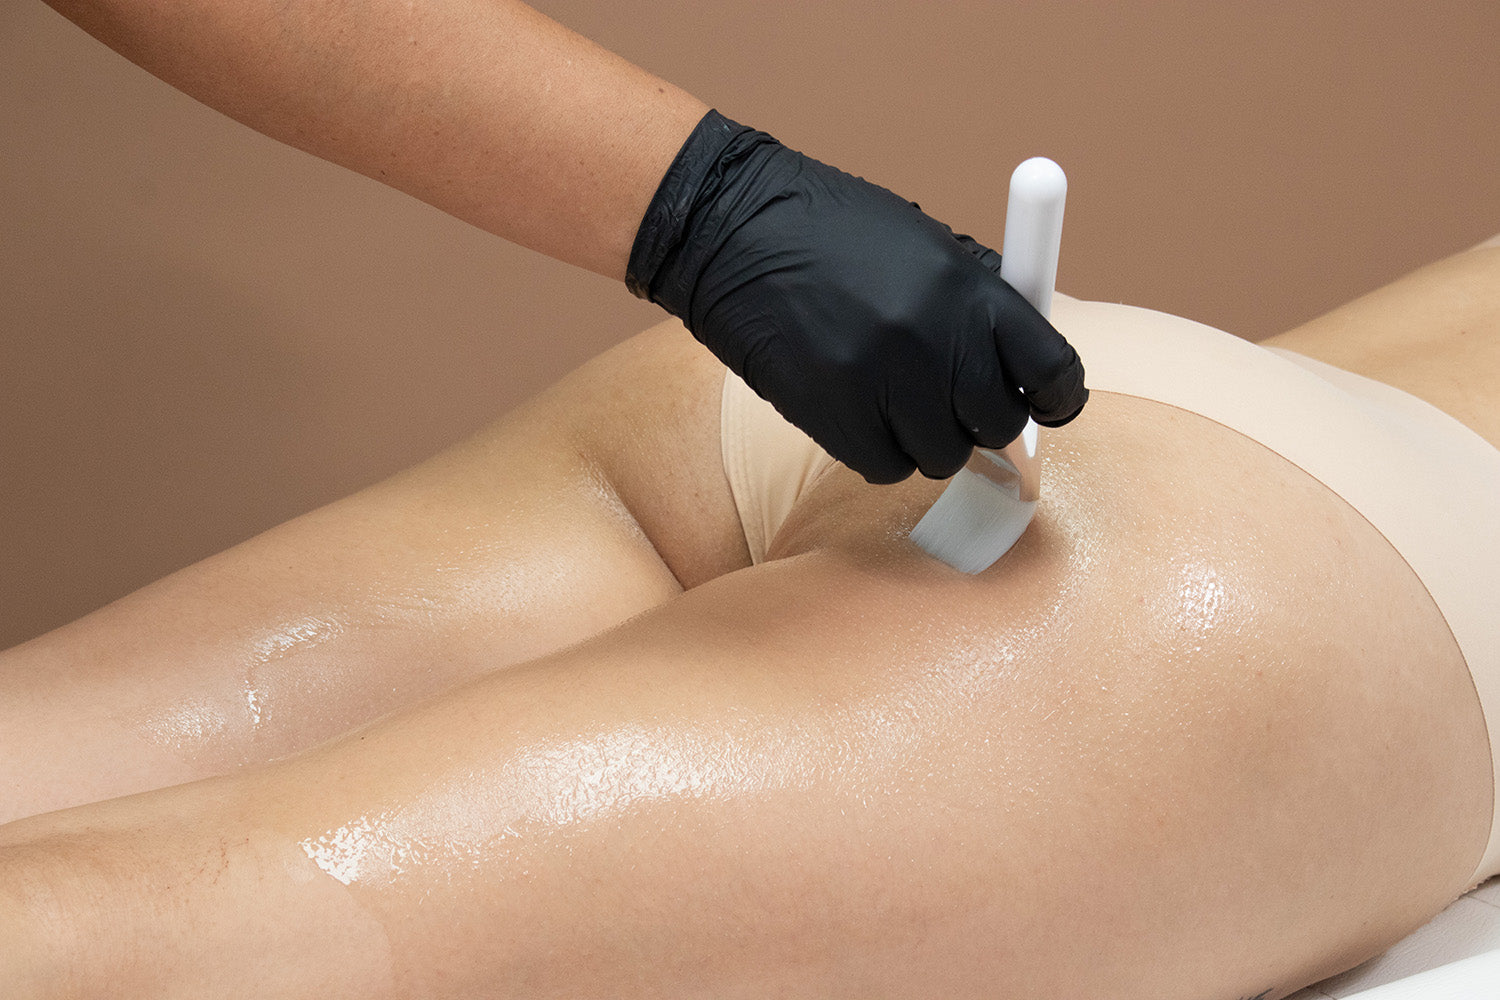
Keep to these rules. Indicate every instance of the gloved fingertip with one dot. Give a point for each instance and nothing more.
(941, 472)
(1062, 404)
(885, 473)
(1060, 398)
(1052, 419)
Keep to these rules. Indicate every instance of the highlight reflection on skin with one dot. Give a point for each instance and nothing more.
(1203, 603)
(288, 637)
(468, 819)
(187, 726)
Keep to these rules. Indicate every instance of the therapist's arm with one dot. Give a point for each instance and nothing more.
(483, 108)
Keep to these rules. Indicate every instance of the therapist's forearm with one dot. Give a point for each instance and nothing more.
(483, 108)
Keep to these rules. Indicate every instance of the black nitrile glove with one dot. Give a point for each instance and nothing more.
(890, 341)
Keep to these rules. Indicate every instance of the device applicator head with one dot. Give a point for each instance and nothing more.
(989, 504)
(985, 508)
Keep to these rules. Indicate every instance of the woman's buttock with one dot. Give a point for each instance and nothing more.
(1196, 565)
(1201, 641)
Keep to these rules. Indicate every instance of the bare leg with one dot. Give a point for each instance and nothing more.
(522, 540)
(1158, 754)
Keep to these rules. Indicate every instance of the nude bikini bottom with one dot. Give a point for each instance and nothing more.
(1425, 481)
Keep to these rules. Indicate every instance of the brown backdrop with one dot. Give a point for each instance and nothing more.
(203, 333)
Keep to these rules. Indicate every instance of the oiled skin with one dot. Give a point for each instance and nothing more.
(1200, 734)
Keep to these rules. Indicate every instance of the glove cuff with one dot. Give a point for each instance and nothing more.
(663, 225)
(685, 222)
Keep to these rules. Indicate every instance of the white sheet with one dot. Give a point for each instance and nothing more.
(1455, 956)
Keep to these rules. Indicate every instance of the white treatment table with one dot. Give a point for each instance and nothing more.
(1455, 956)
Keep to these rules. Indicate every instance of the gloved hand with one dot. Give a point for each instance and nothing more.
(890, 341)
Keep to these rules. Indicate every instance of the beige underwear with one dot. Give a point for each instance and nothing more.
(769, 462)
(1425, 481)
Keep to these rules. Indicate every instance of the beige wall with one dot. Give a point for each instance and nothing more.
(202, 333)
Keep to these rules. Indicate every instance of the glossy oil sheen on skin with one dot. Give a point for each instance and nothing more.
(278, 644)
(461, 822)
(1116, 641)
(204, 721)
(187, 725)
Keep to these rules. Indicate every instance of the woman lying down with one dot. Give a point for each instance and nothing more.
(637, 694)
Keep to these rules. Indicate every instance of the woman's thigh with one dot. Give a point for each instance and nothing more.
(538, 531)
(1197, 735)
